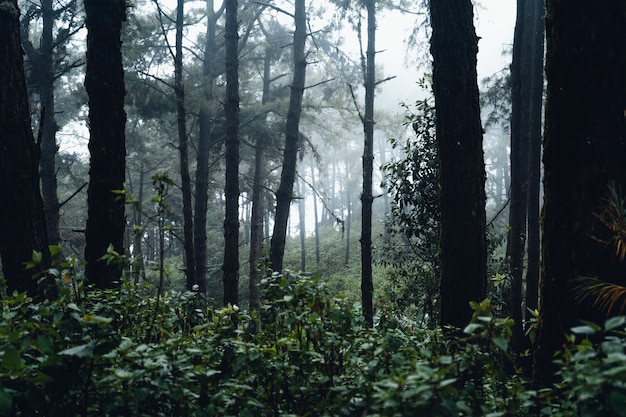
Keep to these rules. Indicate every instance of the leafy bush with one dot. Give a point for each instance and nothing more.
(305, 353)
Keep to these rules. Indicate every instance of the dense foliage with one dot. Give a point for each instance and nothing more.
(117, 352)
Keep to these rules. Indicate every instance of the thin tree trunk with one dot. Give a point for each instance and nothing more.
(49, 126)
(258, 209)
(534, 155)
(256, 225)
(138, 264)
(230, 266)
(519, 173)
(205, 122)
(367, 199)
(315, 213)
(284, 194)
(179, 89)
(346, 260)
(104, 82)
(302, 227)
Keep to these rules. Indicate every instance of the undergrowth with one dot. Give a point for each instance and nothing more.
(306, 353)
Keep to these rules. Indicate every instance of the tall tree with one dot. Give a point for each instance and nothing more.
(206, 119)
(104, 81)
(284, 194)
(183, 146)
(231, 190)
(584, 153)
(22, 219)
(526, 109)
(454, 46)
(302, 224)
(367, 199)
(42, 63)
(536, 9)
(518, 207)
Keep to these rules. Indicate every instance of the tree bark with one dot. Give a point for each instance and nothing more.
(518, 206)
(302, 226)
(185, 178)
(367, 199)
(49, 126)
(315, 214)
(454, 46)
(230, 266)
(206, 118)
(284, 194)
(22, 219)
(534, 153)
(584, 152)
(104, 82)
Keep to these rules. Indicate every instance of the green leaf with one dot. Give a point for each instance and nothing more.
(472, 327)
(583, 330)
(501, 343)
(82, 351)
(6, 402)
(12, 360)
(614, 322)
(45, 344)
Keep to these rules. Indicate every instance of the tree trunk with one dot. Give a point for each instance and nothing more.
(104, 82)
(205, 122)
(584, 152)
(138, 257)
(22, 220)
(518, 206)
(462, 170)
(284, 194)
(256, 225)
(181, 121)
(49, 127)
(258, 208)
(302, 226)
(346, 261)
(315, 214)
(231, 189)
(534, 153)
(367, 199)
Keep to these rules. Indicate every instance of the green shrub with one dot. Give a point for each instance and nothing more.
(306, 353)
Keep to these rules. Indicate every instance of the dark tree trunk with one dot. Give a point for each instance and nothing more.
(181, 122)
(534, 152)
(231, 189)
(22, 219)
(49, 127)
(462, 170)
(104, 81)
(256, 225)
(302, 226)
(367, 199)
(518, 206)
(284, 194)
(258, 208)
(584, 152)
(205, 122)
(138, 263)
(315, 214)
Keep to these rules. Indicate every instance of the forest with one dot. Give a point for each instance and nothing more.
(209, 208)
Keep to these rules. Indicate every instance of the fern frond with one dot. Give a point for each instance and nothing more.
(606, 297)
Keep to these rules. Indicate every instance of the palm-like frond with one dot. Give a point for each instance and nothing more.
(606, 297)
(614, 218)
